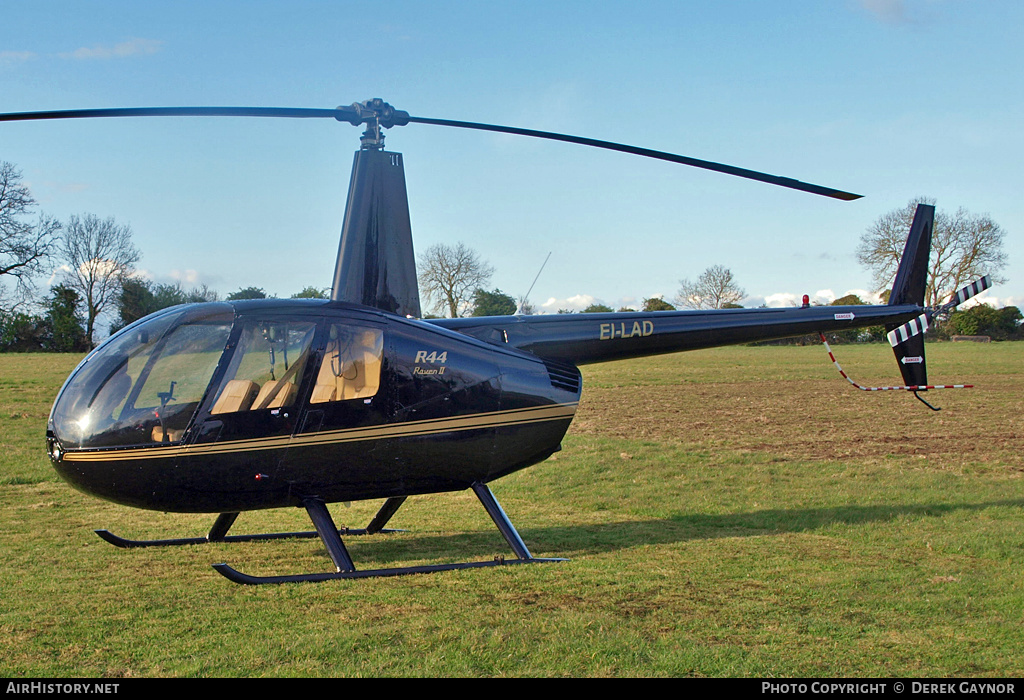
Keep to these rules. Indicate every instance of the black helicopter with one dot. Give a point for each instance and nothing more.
(228, 407)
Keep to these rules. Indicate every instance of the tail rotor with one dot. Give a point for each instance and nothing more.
(919, 325)
(907, 341)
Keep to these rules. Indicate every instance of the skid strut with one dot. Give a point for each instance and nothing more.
(345, 569)
(218, 533)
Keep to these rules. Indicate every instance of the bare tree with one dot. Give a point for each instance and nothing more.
(714, 289)
(964, 247)
(450, 274)
(98, 255)
(24, 246)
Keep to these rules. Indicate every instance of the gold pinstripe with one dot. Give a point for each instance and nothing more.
(494, 419)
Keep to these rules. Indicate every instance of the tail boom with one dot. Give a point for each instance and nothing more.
(601, 337)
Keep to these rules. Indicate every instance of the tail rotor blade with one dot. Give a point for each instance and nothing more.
(971, 290)
(919, 325)
(908, 330)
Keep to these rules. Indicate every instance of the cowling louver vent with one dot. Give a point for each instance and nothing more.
(563, 375)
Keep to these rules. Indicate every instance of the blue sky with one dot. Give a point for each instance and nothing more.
(892, 99)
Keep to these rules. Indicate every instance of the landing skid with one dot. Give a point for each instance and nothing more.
(345, 568)
(331, 536)
(218, 533)
(239, 577)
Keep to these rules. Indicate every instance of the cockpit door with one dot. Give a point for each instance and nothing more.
(254, 409)
(337, 447)
(349, 396)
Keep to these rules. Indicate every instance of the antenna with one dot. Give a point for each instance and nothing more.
(526, 296)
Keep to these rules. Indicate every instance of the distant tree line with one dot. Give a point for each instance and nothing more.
(58, 328)
(454, 280)
(93, 257)
(95, 276)
(60, 324)
(139, 298)
(96, 260)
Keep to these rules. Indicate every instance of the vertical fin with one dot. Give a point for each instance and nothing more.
(909, 288)
(912, 275)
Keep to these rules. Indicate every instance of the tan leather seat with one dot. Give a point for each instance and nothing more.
(322, 393)
(367, 363)
(351, 373)
(172, 434)
(331, 375)
(272, 397)
(237, 395)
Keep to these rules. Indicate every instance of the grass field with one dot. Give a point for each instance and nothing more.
(734, 512)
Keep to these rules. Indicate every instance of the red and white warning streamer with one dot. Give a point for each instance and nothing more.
(889, 388)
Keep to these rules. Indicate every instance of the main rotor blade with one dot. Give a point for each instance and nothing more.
(660, 155)
(357, 114)
(341, 113)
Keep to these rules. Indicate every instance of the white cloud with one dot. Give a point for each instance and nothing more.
(573, 303)
(142, 275)
(822, 297)
(888, 11)
(185, 276)
(57, 274)
(188, 279)
(67, 187)
(132, 47)
(779, 299)
(896, 12)
(12, 58)
(579, 302)
(629, 303)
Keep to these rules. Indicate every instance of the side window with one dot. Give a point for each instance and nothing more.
(351, 364)
(172, 386)
(266, 366)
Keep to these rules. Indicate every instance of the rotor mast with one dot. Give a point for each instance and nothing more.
(376, 264)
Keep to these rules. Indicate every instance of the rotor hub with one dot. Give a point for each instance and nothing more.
(376, 114)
